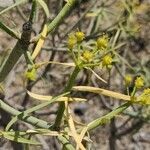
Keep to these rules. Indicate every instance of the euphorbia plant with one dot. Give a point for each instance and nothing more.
(85, 54)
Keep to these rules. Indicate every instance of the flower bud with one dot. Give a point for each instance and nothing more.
(102, 42)
(128, 79)
(107, 60)
(80, 36)
(71, 41)
(31, 74)
(87, 56)
(139, 82)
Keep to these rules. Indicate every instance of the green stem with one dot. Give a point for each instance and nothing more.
(28, 58)
(133, 92)
(26, 113)
(33, 11)
(12, 59)
(103, 120)
(35, 122)
(61, 107)
(20, 48)
(43, 124)
(67, 145)
(58, 19)
(29, 119)
(9, 31)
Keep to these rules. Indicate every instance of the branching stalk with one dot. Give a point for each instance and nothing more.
(61, 107)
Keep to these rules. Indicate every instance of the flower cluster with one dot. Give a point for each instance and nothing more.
(95, 54)
(144, 98)
(73, 39)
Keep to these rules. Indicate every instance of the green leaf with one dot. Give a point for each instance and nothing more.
(12, 6)
(17, 138)
(44, 6)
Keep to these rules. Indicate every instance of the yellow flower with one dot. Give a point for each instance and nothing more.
(87, 56)
(145, 96)
(31, 74)
(147, 91)
(71, 41)
(107, 60)
(139, 82)
(128, 80)
(80, 36)
(102, 42)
